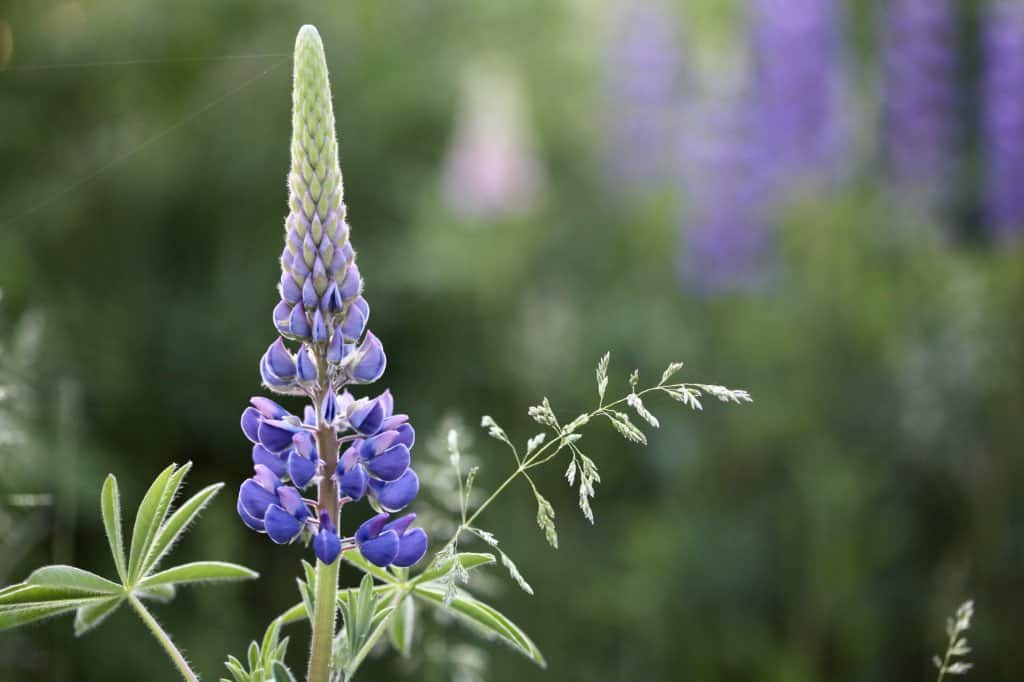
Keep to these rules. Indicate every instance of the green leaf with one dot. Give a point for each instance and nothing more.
(92, 615)
(298, 612)
(39, 595)
(199, 571)
(20, 616)
(176, 525)
(110, 506)
(469, 560)
(72, 578)
(376, 629)
(355, 558)
(282, 673)
(483, 618)
(162, 594)
(402, 628)
(149, 517)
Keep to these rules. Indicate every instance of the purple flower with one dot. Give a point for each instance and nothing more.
(266, 505)
(644, 77)
(393, 543)
(322, 306)
(726, 241)
(1003, 118)
(326, 543)
(798, 81)
(919, 94)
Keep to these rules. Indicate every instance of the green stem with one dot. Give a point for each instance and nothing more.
(325, 606)
(164, 639)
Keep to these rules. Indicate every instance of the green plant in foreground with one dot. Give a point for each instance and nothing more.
(55, 590)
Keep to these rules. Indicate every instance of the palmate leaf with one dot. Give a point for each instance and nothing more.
(483, 618)
(110, 506)
(468, 560)
(198, 572)
(55, 590)
(151, 515)
(402, 627)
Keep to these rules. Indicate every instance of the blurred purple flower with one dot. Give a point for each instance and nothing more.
(726, 242)
(798, 83)
(919, 94)
(644, 77)
(1003, 118)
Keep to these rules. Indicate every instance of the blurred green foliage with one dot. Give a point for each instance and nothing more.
(821, 534)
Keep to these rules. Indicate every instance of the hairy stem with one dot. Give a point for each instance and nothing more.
(165, 640)
(325, 605)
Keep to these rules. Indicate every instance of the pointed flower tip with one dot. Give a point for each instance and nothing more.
(308, 35)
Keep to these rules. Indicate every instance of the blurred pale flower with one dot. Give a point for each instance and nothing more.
(491, 170)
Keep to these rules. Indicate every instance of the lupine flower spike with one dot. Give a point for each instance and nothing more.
(322, 309)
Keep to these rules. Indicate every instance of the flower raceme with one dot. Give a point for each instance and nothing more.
(322, 309)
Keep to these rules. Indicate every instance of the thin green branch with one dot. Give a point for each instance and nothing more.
(165, 640)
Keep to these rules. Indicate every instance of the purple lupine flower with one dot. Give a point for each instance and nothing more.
(798, 82)
(322, 306)
(1003, 118)
(919, 94)
(726, 241)
(644, 75)
(394, 543)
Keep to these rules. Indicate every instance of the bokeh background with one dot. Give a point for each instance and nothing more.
(818, 201)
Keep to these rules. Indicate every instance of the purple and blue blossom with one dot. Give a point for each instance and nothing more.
(919, 94)
(1003, 118)
(322, 307)
(799, 79)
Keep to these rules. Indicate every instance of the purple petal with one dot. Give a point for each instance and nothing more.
(372, 361)
(280, 360)
(331, 301)
(248, 519)
(391, 464)
(276, 463)
(251, 423)
(326, 546)
(309, 297)
(276, 435)
(401, 524)
(355, 319)
(367, 418)
(319, 328)
(353, 482)
(298, 324)
(306, 367)
(381, 550)
(254, 498)
(411, 548)
(352, 284)
(281, 526)
(329, 407)
(336, 348)
(282, 315)
(371, 527)
(290, 291)
(406, 435)
(396, 495)
(292, 502)
(375, 445)
(268, 408)
(301, 469)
